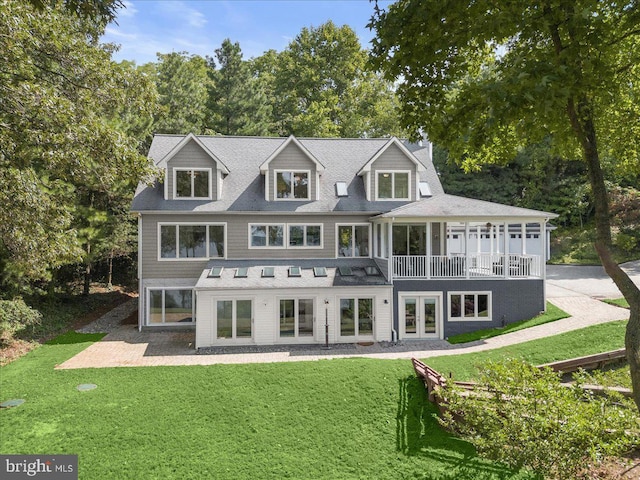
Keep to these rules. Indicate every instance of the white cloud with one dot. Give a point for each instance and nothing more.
(119, 34)
(129, 9)
(181, 12)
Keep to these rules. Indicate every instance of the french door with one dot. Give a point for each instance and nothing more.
(357, 318)
(234, 319)
(421, 315)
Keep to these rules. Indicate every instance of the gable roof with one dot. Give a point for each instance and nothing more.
(265, 165)
(192, 138)
(392, 141)
(452, 206)
(342, 158)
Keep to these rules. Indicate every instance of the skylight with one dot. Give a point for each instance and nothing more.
(319, 271)
(242, 272)
(341, 189)
(215, 272)
(345, 271)
(425, 189)
(268, 272)
(295, 272)
(372, 271)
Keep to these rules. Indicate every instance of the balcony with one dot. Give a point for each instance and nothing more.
(475, 266)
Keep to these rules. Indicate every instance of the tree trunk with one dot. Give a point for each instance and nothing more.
(87, 272)
(110, 274)
(582, 123)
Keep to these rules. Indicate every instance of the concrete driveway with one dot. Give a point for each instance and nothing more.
(576, 280)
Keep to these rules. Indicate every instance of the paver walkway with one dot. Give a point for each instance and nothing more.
(126, 347)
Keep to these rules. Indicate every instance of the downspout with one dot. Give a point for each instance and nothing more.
(140, 295)
(394, 333)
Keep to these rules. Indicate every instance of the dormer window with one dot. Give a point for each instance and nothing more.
(192, 183)
(393, 186)
(292, 185)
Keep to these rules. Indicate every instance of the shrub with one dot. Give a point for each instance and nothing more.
(14, 316)
(524, 418)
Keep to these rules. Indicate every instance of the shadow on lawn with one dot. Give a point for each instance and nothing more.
(418, 433)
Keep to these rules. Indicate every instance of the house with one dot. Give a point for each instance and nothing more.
(252, 240)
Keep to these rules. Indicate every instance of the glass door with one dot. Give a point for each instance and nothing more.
(420, 316)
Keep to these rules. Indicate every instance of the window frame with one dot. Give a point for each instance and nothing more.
(234, 319)
(286, 235)
(353, 236)
(393, 185)
(296, 318)
(176, 225)
(292, 198)
(163, 290)
(475, 318)
(209, 171)
(356, 316)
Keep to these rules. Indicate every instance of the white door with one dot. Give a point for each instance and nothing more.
(421, 315)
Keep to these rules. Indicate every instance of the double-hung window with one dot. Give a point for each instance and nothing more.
(191, 241)
(292, 185)
(192, 183)
(393, 185)
(467, 306)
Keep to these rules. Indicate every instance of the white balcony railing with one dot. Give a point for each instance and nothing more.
(483, 265)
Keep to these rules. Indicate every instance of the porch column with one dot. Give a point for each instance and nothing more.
(523, 231)
(466, 249)
(478, 239)
(507, 263)
(429, 251)
(390, 249)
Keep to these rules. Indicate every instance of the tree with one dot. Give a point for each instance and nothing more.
(182, 83)
(323, 87)
(237, 102)
(60, 91)
(484, 78)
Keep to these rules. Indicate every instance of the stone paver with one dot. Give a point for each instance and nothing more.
(568, 288)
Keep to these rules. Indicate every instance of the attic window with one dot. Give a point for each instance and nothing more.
(215, 272)
(242, 272)
(268, 272)
(295, 272)
(341, 189)
(319, 272)
(192, 183)
(425, 189)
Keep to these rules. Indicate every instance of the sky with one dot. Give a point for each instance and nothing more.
(146, 27)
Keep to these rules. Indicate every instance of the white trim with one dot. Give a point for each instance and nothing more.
(186, 140)
(264, 167)
(177, 258)
(419, 328)
(292, 172)
(353, 236)
(489, 316)
(393, 184)
(392, 141)
(163, 323)
(193, 169)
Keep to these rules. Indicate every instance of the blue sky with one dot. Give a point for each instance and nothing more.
(146, 27)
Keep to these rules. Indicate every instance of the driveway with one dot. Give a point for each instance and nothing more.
(575, 289)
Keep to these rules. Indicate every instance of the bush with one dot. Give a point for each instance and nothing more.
(524, 418)
(15, 315)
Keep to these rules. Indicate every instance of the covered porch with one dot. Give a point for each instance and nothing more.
(510, 243)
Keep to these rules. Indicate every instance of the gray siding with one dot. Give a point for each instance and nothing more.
(393, 159)
(237, 240)
(192, 156)
(512, 300)
(292, 158)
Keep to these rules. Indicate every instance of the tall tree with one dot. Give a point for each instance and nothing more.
(323, 88)
(59, 91)
(237, 102)
(182, 83)
(483, 78)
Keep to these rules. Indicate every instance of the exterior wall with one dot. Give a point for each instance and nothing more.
(192, 156)
(393, 159)
(237, 245)
(512, 300)
(292, 158)
(266, 317)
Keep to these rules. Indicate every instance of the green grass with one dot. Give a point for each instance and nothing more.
(586, 341)
(618, 302)
(332, 419)
(552, 314)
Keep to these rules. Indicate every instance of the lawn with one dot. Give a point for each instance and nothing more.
(332, 419)
(618, 302)
(552, 314)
